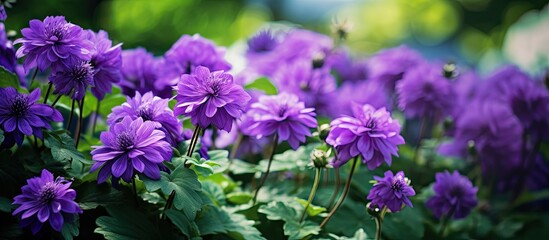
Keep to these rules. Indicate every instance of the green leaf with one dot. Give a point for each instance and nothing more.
(1, 136)
(90, 104)
(277, 210)
(214, 192)
(360, 234)
(289, 160)
(297, 230)
(406, 224)
(239, 197)
(214, 220)
(5, 205)
(110, 101)
(508, 228)
(91, 195)
(187, 189)
(62, 147)
(183, 223)
(70, 230)
(240, 167)
(222, 180)
(312, 210)
(263, 84)
(126, 223)
(8, 79)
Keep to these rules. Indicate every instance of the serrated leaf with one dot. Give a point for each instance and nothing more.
(91, 195)
(263, 84)
(240, 167)
(70, 230)
(278, 211)
(289, 213)
(125, 223)
(214, 220)
(187, 189)
(239, 197)
(360, 234)
(312, 210)
(296, 230)
(214, 192)
(62, 147)
(183, 223)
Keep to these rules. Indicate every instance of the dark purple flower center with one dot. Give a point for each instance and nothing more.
(146, 114)
(215, 85)
(262, 42)
(82, 72)
(56, 30)
(20, 105)
(48, 193)
(282, 110)
(124, 141)
(371, 124)
(398, 184)
(456, 191)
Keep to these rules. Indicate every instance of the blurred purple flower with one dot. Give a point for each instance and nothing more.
(131, 146)
(455, 195)
(263, 41)
(3, 14)
(312, 86)
(371, 133)
(210, 98)
(283, 115)
(7, 53)
(391, 191)
(370, 93)
(141, 72)
(150, 108)
(45, 199)
(52, 43)
(424, 92)
(20, 115)
(388, 66)
(73, 79)
(347, 68)
(106, 61)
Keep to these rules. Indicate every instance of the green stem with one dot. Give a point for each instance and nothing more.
(275, 143)
(379, 222)
(336, 189)
(445, 221)
(56, 100)
(342, 198)
(135, 192)
(418, 145)
(312, 194)
(33, 77)
(71, 115)
(80, 118)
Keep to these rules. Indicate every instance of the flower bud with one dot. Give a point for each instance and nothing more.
(320, 158)
(323, 131)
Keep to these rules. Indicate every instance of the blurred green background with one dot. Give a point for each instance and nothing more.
(470, 31)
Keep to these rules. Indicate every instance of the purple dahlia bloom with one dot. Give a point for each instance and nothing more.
(46, 199)
(73, 79)
(51, 43)
(391, 191)
(389, 66)
(283, 115)
(454, 195)
(210, 98)
(141, 72)
(313, 86)
(21, 115)
(424, 92)
(7, 53)
(370, 93)
(3, 14)
(150, 108)
(263, 41)
(106, 61)
(370, 132)
(131, 146)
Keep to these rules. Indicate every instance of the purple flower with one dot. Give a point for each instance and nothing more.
(7, 53)
(283, 115)
(391, 191)
(73, 80)
(263, 41)
(370, 93)
(205, 141)
(424, 92)
(313, 86)
(150, 108)
(370, 132)
(210, 98)
(51, 43)
(131, 146)
(190, 52)
(454, 195)
(21, 115)
(141, 73)
(389, 66)
(45, 199)
(106, 61)
(3, 14)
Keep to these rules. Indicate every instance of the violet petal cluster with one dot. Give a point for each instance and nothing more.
(389, 66)
(141, 72)
(20, 115)
(370, 132)
(73, 79)
(131, 147)
(210, 98)
(52, 42)
(369, 93)
(283, 114)
(391, 191)
(106, 61)
(150, 108)
(45, 199)
(7, 52)
(455, 195)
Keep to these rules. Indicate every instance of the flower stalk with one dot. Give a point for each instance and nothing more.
(312, 194)
(264, 178)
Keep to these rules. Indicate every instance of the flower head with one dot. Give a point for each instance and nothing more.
(52, 42)
(391, 191)
(73, 80)
(263, 41)
(106, 61)
(7, 53)
(389, 66)
(283, 115)
(210, 98)
(370, 93)
(131, 146)
(454, 195)
(21, 115)
(150, 108)
(141, 73)
(370, 132)
(3, 14)
(46, 199)
(424, 91)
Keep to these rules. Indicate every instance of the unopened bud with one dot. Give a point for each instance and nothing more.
(450, 70)
(323, 131)
(319, 158)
